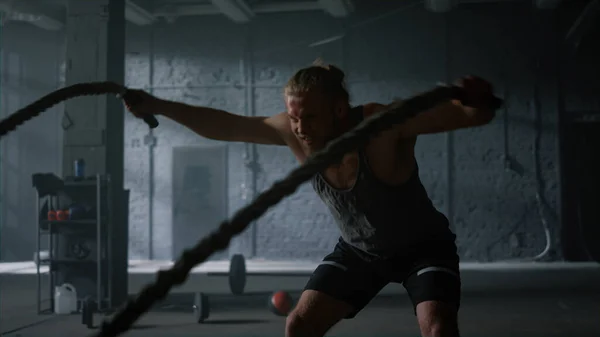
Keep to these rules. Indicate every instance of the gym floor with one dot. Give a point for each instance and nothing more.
(486, 314)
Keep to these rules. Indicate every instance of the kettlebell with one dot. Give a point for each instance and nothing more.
(280, 303)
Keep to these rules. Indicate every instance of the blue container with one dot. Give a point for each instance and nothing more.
(75, 212)
(79, 168)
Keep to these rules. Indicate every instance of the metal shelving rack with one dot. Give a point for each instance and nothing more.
(54, 230)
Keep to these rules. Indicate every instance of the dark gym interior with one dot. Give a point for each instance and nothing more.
(93, 202)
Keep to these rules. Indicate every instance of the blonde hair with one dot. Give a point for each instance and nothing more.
(320, 77)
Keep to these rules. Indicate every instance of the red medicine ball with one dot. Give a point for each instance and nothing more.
(280, 303)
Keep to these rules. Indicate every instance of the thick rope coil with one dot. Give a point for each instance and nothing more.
(10, 123)
(219, 239)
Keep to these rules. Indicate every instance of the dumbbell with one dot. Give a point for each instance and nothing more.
(88, 306)
(237, 274)
(201, 307)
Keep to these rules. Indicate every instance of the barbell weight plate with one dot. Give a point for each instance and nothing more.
(84, 312)
(201, 307)
(237, 274)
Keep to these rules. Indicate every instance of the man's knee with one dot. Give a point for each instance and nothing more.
(439, 328)
(314, 315)
(299, 325)
(295, 325)
(437, 319)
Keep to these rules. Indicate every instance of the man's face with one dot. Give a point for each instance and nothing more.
(313, 119)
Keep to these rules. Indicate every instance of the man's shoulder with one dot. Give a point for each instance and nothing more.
(372, 108)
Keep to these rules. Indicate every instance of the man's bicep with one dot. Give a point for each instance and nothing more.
(280, 126)
(445, 117)
(260, 130)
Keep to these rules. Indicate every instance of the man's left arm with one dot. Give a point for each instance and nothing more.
(451, 115)
(443, 118)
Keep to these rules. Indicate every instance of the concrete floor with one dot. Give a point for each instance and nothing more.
(486, 314)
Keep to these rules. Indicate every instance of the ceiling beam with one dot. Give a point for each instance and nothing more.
(236, 10)
(239, 11)
(138, 15)
(133, 13)
(24, 13)
(337, 8)
(546, 4)
(588, 17)
(296, 6)
(169, 11)
(442, 6)
(48, 23)
(439, 6)
(274, 7)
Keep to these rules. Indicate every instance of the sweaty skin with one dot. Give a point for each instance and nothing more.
(390, 154)
(312, 120)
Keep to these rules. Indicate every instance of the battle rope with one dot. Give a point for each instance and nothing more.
(11, 122)
(219, 239)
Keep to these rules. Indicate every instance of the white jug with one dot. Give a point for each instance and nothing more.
(65, 299)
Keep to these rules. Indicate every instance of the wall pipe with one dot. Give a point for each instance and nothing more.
(449, 135)
(1, 147)
(540, 199)
(541, 204)
(250, 188)
(150, 141)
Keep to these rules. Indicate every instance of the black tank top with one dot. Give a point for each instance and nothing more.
(380, 219)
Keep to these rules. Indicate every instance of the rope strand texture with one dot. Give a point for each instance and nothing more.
(218, 240)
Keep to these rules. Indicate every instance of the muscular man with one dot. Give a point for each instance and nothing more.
(390, 230)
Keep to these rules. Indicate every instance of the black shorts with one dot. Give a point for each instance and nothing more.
(429, 273)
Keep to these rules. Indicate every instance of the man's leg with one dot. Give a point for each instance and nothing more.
(340, 287)
(434, 287)
(316, 313)
(437, 319)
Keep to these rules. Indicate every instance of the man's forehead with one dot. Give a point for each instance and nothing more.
(297, 105)
(303, 102)
(298, 100)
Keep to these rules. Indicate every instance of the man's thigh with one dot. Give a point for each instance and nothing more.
(344, 276)
(434, 275)
(434, 282)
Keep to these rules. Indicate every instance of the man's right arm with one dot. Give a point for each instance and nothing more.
(221, 125)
